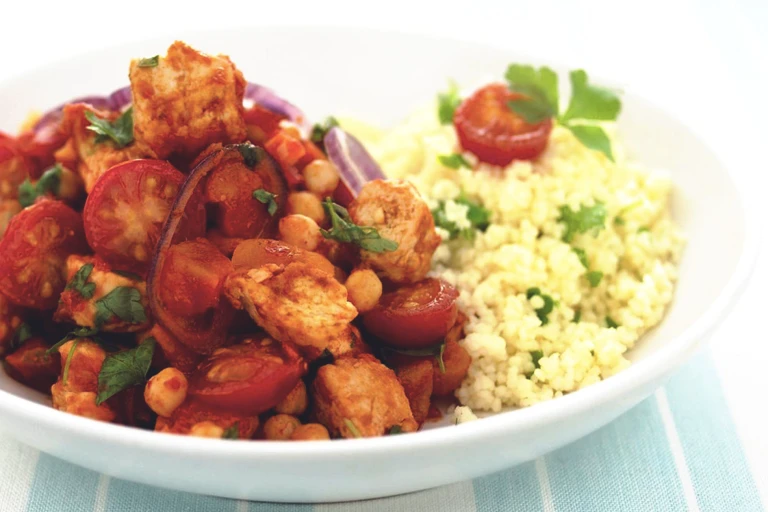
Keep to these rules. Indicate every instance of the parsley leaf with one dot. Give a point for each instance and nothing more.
(643, 229)
(125, 369)
(582, 254)
(352, 427)
(539, 99)
(80, 283)
(149, 62)
(47, 184)
(251, 154)
(536, 356)
(232, 432)
(70, 355)
(584, 219)
(120, 131)
(590, 101)
(395, 430)
(478, 216)
(346, 231)
(592, 137)
(544, 311)
(319, 130)
(594, 277)
(79, 332)
(447, 103)
(23, 333)
(124, 302)
(454, 161)
(268, 198)
(577, 316)
(611, 323)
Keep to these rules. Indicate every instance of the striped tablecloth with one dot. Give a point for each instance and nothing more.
(676, 451)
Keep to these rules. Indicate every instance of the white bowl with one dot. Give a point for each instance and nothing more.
(381, 77)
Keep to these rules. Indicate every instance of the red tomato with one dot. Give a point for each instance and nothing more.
(287, 150)
(14, 168)
(261, 123)
(255, 253)
(487, 127)
(236, 212)
(125, 212)
(31, 366)
(250, 378)
(39, 147)
(34, 250)
(414, 316)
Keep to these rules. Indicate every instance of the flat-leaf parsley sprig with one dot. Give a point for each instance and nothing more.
(346, 231)
(588, 103)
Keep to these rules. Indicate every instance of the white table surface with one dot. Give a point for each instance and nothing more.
(704, 60)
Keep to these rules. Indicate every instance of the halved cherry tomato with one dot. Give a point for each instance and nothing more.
(39, 146)
(125, 212)
(14, 168)
(229, 191)
(261, 123)
(255, 253)
(32, 366)
(173, 352)
(487, 127)
(34, 250)
(188, 289)
(414, 316)
(249, 378)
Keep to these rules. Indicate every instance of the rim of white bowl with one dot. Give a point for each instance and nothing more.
(653, 366)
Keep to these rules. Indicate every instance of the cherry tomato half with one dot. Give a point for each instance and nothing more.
(487, 127)
(125, 212)
(261, 123)
(255, 253)
(249, 378)
(414, 316)
(34, 250)
(32, 366)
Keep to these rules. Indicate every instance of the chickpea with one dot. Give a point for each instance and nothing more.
(206, 429)
(321, 177)
(307, 204)
(290, 128)
(310, 432)
(296, 401)
(280, 427)
(363, 289)
(300, 231)
(166, 391)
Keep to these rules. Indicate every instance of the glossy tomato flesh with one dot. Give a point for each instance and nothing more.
(414, 316)
(489, 129)
(248, 378)
(32, 366)
(125, 212)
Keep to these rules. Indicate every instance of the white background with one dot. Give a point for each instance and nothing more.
(706, 61)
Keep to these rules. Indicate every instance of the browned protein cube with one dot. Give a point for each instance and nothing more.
(416, 378)
(360, 397)
(186, 102)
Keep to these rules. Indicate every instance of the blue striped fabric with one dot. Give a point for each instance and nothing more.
(676, 451)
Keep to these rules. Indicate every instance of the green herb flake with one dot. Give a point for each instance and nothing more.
(478, 216)
(619, 221)
(589, 101)
(268, 198)
(320, 130)
(149, 62)
(582, 254)
(345, 231)
(352, 428)
(586, 218)
(592, 137)
(232, 432)
(594, 277)
(119, 131)
(48, 184)
(577, 316)
(538, 87)
(549, 304)
(124, 369)
(439, 357)
(643, 229)
(124, 302)
(395, 430)
(447, 103)
(611, 323)
(536, 356)
(454, 161)
(251, 154)
(80, 284)
(70, 356)
(22, 333)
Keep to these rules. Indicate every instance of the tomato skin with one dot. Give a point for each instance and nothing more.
(261, 123)
(14, 167)
(125, 212)
(249, 378)
(489, 129)
(34, 250)
(287, 150)
(414, 316)
(255, 253)
(31, 366)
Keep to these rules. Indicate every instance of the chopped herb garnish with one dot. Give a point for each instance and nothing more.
(594, 277)
(352, 428)
(346, 231)
(395, 430)
(251, 154)
(643, 229)
(320, 130)
(544, 311)
(119, 131)
(536, 356)
(232, 432)
(124, 369)
(619, 221)
(78, 332)
(23, 333)
(577, 316)
(478, 216)
(149, 62)
(47, 184)
(447, 103)
(70, 355)
(586, 218)
(540, 101)
(79, 282)
(611, 323)
(439, 357)
(268, 198)
(582, 254)
(454, 161)
(124, 302)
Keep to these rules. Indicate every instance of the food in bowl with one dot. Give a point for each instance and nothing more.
(186, 255)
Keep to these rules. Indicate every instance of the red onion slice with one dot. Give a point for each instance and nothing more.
(356, 166)
(267, 98)
(115, 101)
